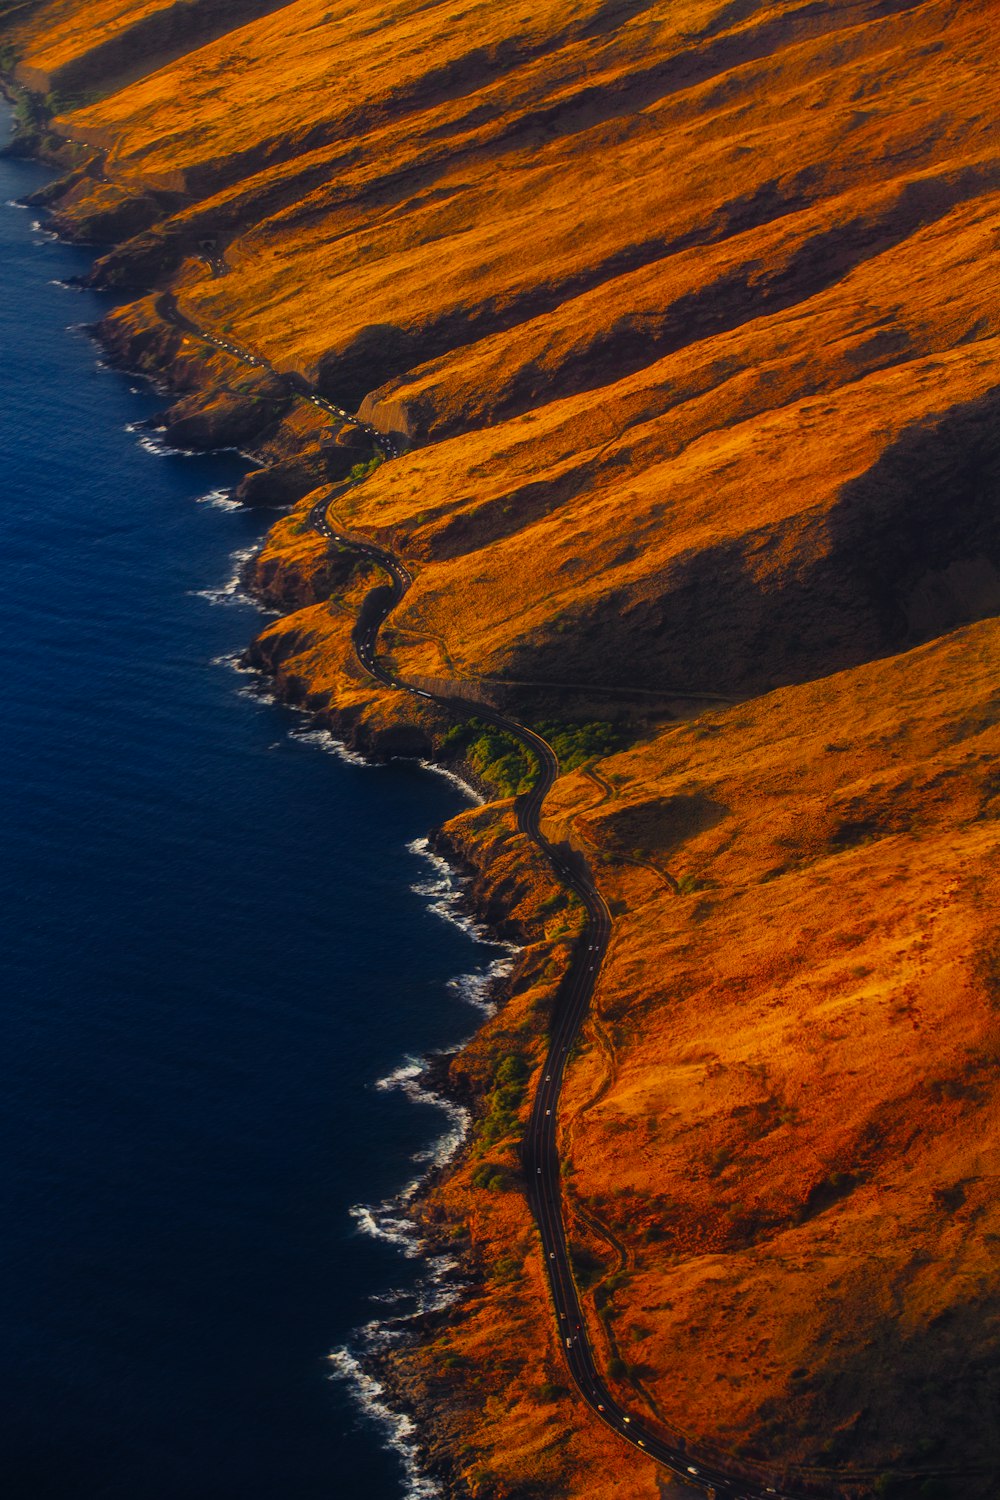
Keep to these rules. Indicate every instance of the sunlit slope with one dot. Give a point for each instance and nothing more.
(688, 315)
(721, 266)
(71, 49)
(795, 1123)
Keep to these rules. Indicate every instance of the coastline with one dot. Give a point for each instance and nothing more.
(730, 1204)
(425, 1080)
(422, 1420)
(369, 1364)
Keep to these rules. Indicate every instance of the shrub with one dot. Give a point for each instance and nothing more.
(361, 471)
(491, 1176)
(495, 756)
(575, 744)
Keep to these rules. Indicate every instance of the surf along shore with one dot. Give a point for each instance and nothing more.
(695, 395)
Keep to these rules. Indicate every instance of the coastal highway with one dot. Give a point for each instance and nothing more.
(539, 1154)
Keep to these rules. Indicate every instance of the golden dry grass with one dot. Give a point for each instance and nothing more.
(689, 314)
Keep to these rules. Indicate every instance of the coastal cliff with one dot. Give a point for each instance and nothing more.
(683, 318)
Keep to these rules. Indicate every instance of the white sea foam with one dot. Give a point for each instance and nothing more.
(257, 692)
(150, 441)
(398, 1430)
(234, 661)
(327, 742)
(446, 893)
(385, 1222)
(392, 1221)
(219, 500)
(456, 780)
(232, 591)
(407, 1078)
(477, 988)
(445, 890)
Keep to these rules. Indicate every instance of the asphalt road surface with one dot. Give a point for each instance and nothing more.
(538, 1148)
(718, 1477)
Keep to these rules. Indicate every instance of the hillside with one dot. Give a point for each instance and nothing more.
(686, 319)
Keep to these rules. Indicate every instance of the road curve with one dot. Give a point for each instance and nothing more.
(539, 1155)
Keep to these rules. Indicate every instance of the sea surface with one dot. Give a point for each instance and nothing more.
(216, 937)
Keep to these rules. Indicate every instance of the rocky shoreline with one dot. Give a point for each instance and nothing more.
(680, 316)
(407, 1405)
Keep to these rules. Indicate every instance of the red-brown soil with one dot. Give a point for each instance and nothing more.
(687, 314)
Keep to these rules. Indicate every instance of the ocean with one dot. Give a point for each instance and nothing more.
(218, 937)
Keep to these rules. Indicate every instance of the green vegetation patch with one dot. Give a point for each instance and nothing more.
(575, 744)
(510, 1082)
(492, 1176)
(361, 471)
(495, 756)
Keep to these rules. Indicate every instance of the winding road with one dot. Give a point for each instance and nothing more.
(539, 1152)
(718, 1476)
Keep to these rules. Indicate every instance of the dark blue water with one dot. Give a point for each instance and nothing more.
(210, 951)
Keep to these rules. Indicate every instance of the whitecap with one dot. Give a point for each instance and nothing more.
(407, 1079)
(219, 500)
(149, 442)
(232, 591)
(446, 890)
(233, 661)
(389, 1221)
(464, 786)
(476, 989)
(384, 1222)
(398, 1429)
(257, 693)
(324, 740)
(392, 1221)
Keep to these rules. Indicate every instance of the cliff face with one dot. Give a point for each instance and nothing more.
(687, 315)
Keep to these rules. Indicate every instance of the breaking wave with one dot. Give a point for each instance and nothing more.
(449, 775)
(232, 591)
(330, 745)
(150, 441)
(478, 988)
(219, 500)
(393, 1221)
(398, 1430)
